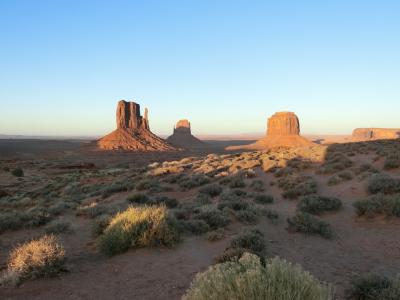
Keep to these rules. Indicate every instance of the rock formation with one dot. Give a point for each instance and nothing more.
(133, 132)
(182, 136)
(365, 134)
(283, 130)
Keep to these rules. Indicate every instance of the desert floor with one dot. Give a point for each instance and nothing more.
(59, 171)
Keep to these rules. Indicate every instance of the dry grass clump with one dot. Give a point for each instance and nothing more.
(388, 205)
(297, 185)
(316, 205)
(373, 287)
(383, 184)
(138, 227)
(307, 223)
(248, 278)
(43, 257)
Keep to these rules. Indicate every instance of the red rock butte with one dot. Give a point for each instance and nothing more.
(367, 134)
(182, 136)
(133, 132)
(283, 130)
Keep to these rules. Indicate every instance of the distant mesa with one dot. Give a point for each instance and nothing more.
(133, 132)
(283, 130)
(367, 134)
(182, 136)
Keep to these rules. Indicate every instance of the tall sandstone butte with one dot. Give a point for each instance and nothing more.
(283, 130)
(365, 134)
(182, 136)
(133, 132)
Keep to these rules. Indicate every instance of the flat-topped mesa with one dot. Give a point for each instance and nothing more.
(182, 136)
(283, 130)
(182, 126)
(283, 123)
(133, 132)
(364, 134)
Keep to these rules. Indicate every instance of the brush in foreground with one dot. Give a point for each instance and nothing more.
(249, 279)
(138, 227)
(43, 257)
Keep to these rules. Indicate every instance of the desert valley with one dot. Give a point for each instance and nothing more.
(134, 216)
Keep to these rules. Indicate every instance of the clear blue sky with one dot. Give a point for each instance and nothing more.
(225, 65)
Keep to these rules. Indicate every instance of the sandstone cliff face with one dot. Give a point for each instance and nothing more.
(133, 132)
(283, 123)
(364, 134)
(283, 130)
(182, 136)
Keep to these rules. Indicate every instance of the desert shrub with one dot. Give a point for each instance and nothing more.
(365, 167)
(316, 205)
(388, 205)
(257, 185)
(212, 190)
(216, 235)
(138, 227)
(234, 205)
(169, 202)
(335, 162)
(392, 161)
(340, 177)
(196, 226)
(14, 220)
(194, 181)
(247, 216)
(383, 184)
(233, 194)
(18, 172)
(373, 287)
(231, 254)
(203, 199)
(43, 257)
(237, 181)
(147, 184)
(139, 199)
(295, 186)
(114, 188)
(172, 179)
(92, 210)
(213, 217)
(100, 224)
(307, 223)
(299, 163)
(58, 227)
(248, 278)
(252, 240)
(6, 169)
(263, 199)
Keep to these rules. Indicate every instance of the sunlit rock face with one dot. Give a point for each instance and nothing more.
(365, 134)
(133, 132)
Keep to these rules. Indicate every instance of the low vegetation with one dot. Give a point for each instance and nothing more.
(340, 177)
(308, 224)
(248, 278)
(316, 205)
(383, 184)
(18, 172)
(43, 257)
(138, 227)
(297, 185)
(388, 205)
(373, 287)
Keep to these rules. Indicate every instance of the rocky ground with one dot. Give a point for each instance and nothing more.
(213, 195)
